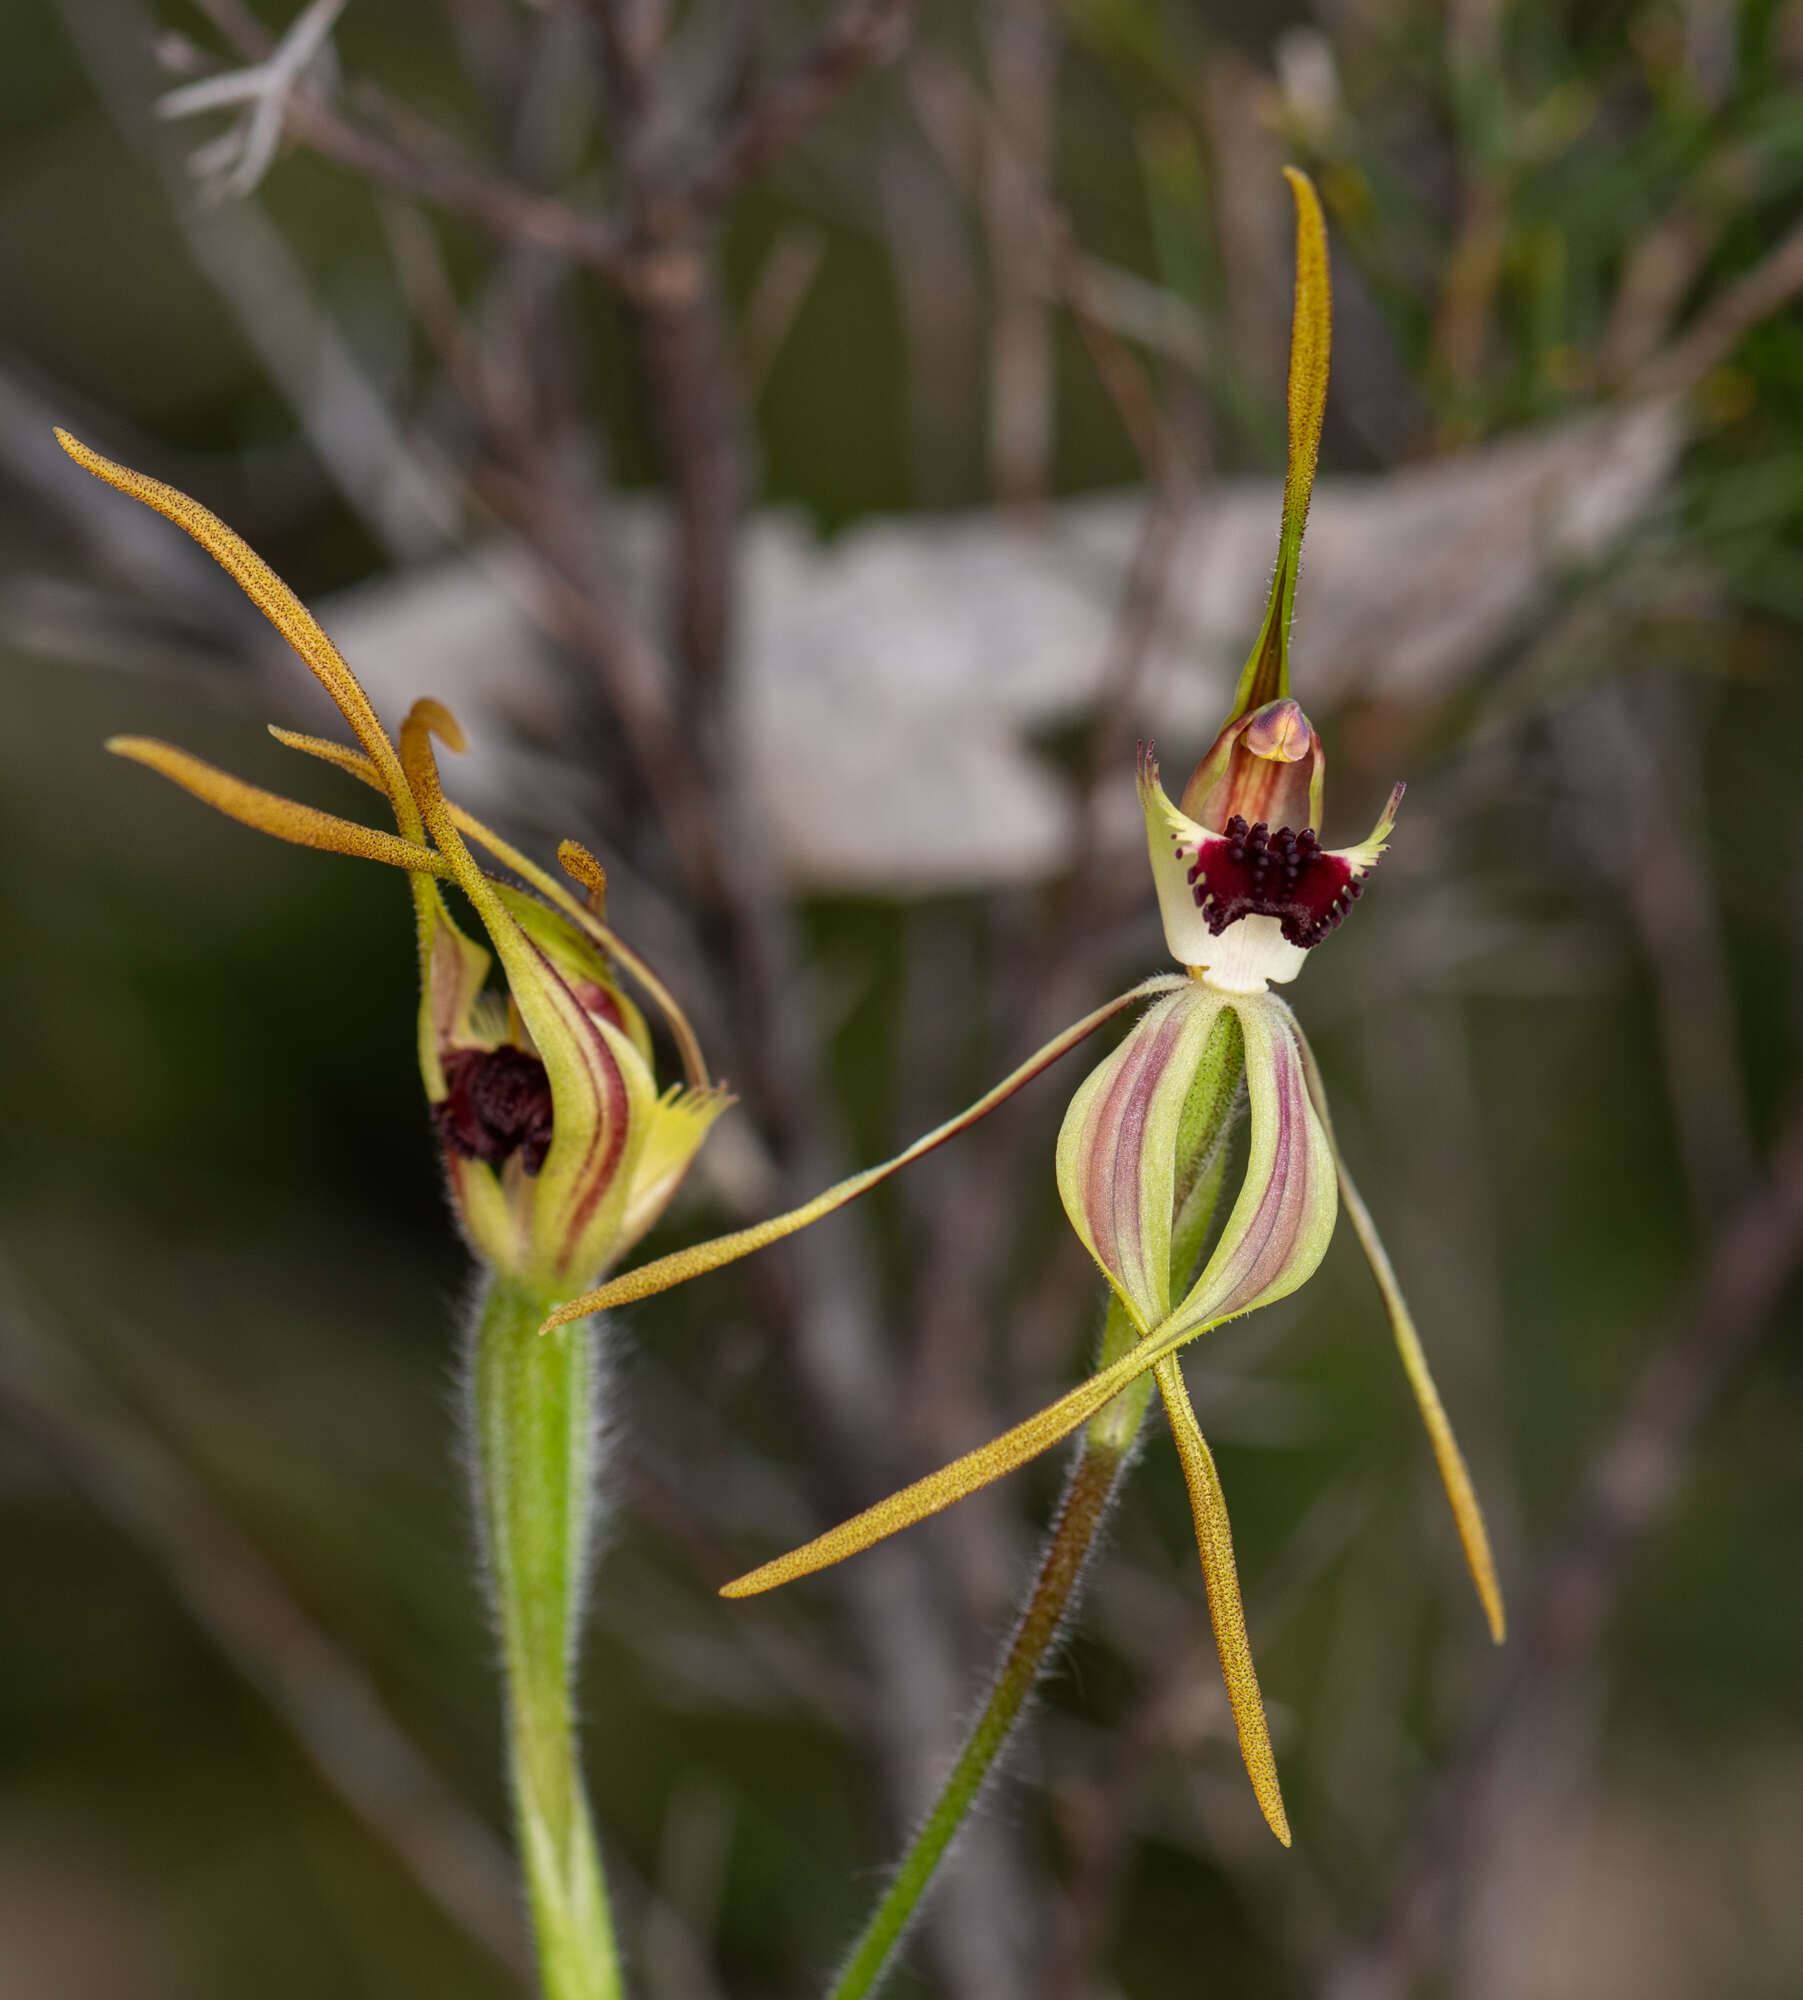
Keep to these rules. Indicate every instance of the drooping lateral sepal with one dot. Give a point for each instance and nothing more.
(1226, 1611)
(1461, 1495)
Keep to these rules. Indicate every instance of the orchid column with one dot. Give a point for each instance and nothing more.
(559, 1153)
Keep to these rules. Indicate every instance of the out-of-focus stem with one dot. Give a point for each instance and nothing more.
(534, 1432)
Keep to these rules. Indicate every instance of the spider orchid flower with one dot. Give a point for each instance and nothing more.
(1247, 892)
(559, 1149)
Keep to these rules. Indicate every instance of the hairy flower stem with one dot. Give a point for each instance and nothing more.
(1087, 1494)
(534, 1427)
(1102, 1459)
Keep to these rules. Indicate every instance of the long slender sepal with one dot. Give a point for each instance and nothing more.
(1267, 672)
(533, 1427)
(663, 1272)
(574, 857)
(1461, 1496)
(1220, 1573)
(963, 1476)
(269, 812)
(277, 603)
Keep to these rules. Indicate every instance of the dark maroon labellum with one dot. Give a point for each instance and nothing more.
(498, 1103)
(1253, 872)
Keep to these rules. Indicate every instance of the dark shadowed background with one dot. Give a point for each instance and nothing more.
(882, 305)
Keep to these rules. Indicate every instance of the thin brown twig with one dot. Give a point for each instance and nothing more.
(342, 414)
(447, 179)
(517, 476)
(1633, 1479)
(356, 1744)
(1632, 746)
(973, 1257)
(1719, 328)
(777, 296)
(631, 34)
(1169, 475)
(522, 487)
(861, 34)
(1473, 270)
(1019, 36)
(428, 165)
(1663, 263)
(944, 95)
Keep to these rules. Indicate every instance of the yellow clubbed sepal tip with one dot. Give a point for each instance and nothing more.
(581, 866)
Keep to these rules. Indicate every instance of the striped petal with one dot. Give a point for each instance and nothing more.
(1273, 1240)
(1283, 1219)
(601, 1090)
(1117, 1150)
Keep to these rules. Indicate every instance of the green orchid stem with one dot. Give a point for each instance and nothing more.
(534, 1429)
(1102, 1460)
(1107, 1447)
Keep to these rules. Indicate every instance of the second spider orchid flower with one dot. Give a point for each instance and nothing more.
(559, 1152)
(559, 1149)
(1247, 891)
